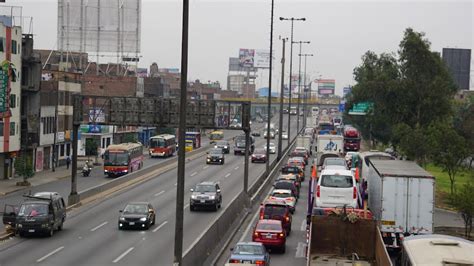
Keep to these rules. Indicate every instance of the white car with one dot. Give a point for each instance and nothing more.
(272, 134)
(286, 195)
(284, 135)
(272, 148)
(336, 188)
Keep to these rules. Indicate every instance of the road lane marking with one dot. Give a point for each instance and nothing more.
(186, 206)
(205, 167)
(49, 254)
(159, 193)
(193, 174)
(303, 225)
(123, 255)
(301, 250)
(236, 168)
(160, 226)
(99, 226)
(227, 175)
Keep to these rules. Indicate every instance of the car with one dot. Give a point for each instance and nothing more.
(277, 209)
(287, 196)
(336, 188)
(256, 133)
(285, 111)
(293, 170)
(205, 194)
(272, 133)
(235, 125)
(334, 163)
(137, 215)
(224, 145)
(251, 253)
(284, 135)
(259, 155)
(272, 148)
(301, 153)
(239, 145)
(270, 233)
(287, 184)
(290, 177)
(298, 161)
(40, 213)
(215, 155)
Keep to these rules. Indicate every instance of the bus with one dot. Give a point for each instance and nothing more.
(124, 158)
(163, 145)
(216, 135)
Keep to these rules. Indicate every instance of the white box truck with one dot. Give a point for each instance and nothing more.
(401, 198)
(330, 143)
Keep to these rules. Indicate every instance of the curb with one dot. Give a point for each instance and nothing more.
(5, 236)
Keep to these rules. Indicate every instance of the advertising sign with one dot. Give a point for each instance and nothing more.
(246, 57)
(6, 70)
(346, 90)
(262, 59)
(326, 86)
(96, 116)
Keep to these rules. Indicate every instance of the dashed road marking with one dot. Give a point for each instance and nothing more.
(50, 254)
(205, 167)
(159, 193)
(193, 174)
(236, 168)
(160, 226)
(301, 250)
(303, 225)
(123, 255)
(227, 175)
(186, 206)
(99, 226)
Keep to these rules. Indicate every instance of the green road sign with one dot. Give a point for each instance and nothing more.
(361, 108)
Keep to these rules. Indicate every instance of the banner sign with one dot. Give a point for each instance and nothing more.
(7, 71)
(326, 86)
(262, 59)
(246, 57)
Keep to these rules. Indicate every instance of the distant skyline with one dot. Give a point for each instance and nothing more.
(340, 32)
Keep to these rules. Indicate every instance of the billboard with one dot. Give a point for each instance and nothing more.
(326, 86)
(346, 91)
(234, 65)
(246, 57)
(262, 59)
(458, 62)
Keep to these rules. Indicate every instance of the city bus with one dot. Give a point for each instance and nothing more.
(163, 145)
(216, 135)
(121, 159)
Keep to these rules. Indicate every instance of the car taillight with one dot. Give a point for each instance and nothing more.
(281, 235)
(318, 191)
(255, 234)
(287, 218)
(260, 262)
(290, 199)
(234, 261)
(354, 193)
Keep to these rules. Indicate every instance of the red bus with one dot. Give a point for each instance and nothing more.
(162, 145)
(120, 159)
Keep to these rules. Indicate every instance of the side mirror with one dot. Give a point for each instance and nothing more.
(192, 189)
(120, 211)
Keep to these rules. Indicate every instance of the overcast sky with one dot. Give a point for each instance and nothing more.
(340, 32)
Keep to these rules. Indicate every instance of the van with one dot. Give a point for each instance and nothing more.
(336, 188)
(276, 209)
(40, 213)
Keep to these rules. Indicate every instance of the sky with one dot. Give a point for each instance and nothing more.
(340, 32)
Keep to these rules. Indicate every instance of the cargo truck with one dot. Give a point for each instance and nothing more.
(304, 141)
(351, 139)
(401, 198)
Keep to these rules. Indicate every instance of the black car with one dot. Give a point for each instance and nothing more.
(256, 133)
(259, 155)
(206, 194)
(137, 215)
(224, 145)
(239, 147)
(215, 155)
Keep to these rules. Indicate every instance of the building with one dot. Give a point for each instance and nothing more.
(10, 94)
(238, 83)
(458, 62)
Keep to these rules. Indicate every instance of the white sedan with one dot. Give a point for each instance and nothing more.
(284, 135)
(272, 148)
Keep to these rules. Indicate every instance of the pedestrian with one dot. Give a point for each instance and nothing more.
(68, 161)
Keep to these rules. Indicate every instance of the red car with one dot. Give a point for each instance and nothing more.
(270, 233)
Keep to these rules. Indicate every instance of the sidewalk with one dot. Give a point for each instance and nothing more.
(9, 186)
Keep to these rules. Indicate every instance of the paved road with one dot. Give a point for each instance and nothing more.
(90, 235)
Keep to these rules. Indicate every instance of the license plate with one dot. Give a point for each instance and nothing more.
(132, 223)
(268, 236)
(246, 262)
(202, 201)
(31, 230)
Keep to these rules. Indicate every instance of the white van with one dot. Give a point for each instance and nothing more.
(336, 188)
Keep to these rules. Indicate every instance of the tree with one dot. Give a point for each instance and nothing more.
(462, 201)
(464, 123)
(130, 137)
(24, 168)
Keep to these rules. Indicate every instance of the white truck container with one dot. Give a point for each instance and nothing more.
(401, 197)
(329, 143)
(304, 141)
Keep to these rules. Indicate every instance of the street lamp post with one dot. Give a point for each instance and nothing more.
(299, 87)
(269, 92)
(280, 125)
(305, 89)
(291, 69)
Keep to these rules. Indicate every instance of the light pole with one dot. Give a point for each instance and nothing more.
(269, 92)
(291, 69)
(299, 87)
(305, 89)
(280, 125)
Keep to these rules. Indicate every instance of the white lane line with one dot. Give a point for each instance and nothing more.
(301, 250)
(205, 167)
(227, 175)
(49, 254)
(99, 226)
(159, 193)
(159, 226)
(186, 206)
(193, 174)
(303, 225)
(236, 168)
(123, 255)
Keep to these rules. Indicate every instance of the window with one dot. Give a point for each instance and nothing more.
(12, 101)
(14, 47)
(68, 149)
(12, 128)
(2, 41)
(1, 129)
(61, 153)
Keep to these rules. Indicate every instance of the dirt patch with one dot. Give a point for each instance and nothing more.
(452, 231)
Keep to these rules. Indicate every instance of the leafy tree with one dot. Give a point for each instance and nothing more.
(464, 123)
(91, 147)
(24, 168)
(462, 201)
(130, 137)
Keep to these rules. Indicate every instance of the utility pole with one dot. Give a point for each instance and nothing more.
(305, 110)
(299, 87)
(270, 92)
(178, 235)
(280, 126)
(291, 69)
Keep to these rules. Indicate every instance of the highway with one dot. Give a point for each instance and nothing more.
(91, 236)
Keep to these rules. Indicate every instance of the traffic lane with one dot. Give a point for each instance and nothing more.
(89, 241)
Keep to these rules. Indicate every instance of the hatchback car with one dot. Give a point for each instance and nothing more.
(301, 153)
(205, 194)
(277, 209)
(334, 163)
(259, 155)
(272, 148)
(224, 145)
(290, 177)
(270, 233)
(336, 188)
(287, 196)
(297, 161)
(250, 253)
(215, 155)
(287, 184)
(293, 170)
(137, 215)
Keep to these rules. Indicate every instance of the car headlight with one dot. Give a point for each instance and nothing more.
(212, 197)
(225, 147)
(106, 170)
(125, 171)
(208, 159)
(143, 219)
(193, 196)
(19, 225)
(122, 219)
(45, 225)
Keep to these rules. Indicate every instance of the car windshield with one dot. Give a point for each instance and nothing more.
(260, 151)
(215, 152)
(136, 209)
(290, 170)
(248, 249)
(269, 226)
(337, 181)
(281, 195)
(33, 209)
(273, 210)
(221, 143)
(284, 185)
(331, 161)
(157, 143)
(113, 158)
(205, 188)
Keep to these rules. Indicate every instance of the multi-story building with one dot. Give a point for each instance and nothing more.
(10, 94)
